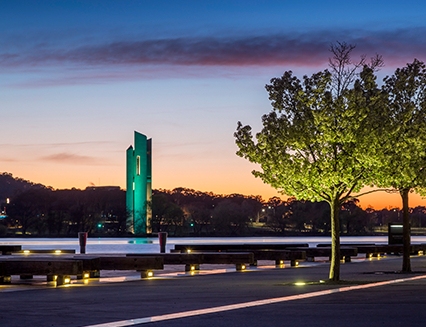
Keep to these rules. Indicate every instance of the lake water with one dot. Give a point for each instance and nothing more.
(151, 245)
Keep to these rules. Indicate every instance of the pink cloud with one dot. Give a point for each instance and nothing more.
(198, 56)
(67, 158)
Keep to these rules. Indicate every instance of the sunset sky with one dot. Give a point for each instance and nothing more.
(78, 77)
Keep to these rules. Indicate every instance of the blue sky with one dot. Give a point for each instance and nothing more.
(78, 77)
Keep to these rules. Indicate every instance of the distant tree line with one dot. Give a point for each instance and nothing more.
(184, 211)
(43, 211)
(305, 217)
(37, 210)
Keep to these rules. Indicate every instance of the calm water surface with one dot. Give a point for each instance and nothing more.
(151, 245)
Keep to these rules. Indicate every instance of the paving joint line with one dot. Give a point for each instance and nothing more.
(192, 313)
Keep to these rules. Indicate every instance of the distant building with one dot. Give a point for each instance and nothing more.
(103, 188)
(138, 185)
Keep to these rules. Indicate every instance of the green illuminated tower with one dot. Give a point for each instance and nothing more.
(138, 185)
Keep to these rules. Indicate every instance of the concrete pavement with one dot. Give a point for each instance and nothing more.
(394, 304)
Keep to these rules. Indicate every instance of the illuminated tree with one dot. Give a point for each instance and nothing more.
(404, 156)
(318, 142)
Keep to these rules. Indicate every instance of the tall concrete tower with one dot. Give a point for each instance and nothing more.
(138, 185)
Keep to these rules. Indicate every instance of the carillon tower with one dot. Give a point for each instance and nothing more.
(138, 184)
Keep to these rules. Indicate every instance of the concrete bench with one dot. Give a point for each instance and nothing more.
(279, 256)
(44, 251)
(143, 264)
(54, 269)
(374, 250)
(421, 248)
(240, 259)
(352, 245)
(381, 249)
(192, 261)
(8, 249)
(345, 252)
(91, 266)
(369, 249)
(185, 248)
(396, 248)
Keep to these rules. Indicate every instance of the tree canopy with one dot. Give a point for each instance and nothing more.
(403, 163)
(318, 142)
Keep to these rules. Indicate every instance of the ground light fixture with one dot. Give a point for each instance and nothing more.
(58, 251)
(308, 283)
(191, 267)
(240, 267)
(62, 280)
(147, 274)
(26, 251)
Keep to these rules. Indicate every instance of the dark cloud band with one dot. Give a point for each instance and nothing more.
(310, 49)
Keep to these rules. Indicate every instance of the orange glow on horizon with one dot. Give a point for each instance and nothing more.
(221, 176)
(228, 183)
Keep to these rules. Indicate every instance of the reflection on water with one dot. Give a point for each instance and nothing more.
(151, 245)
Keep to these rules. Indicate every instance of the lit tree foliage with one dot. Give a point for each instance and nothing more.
(317, 143)
(404, 156)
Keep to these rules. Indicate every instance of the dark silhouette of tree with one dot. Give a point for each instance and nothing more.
(28, 208)
(354, 220)
(418, 217)
(10, 186)
(277, 215)
(229, 218)
(199, 217)
(167, 216)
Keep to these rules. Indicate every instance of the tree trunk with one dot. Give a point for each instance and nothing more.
(406, 264)
(335, 240)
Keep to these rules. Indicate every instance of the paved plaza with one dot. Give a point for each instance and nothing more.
(256, 297)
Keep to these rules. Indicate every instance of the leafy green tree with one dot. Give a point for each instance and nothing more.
(317, 143)
(404, 156)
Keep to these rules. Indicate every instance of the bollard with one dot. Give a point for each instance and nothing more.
(162, 237)
(82, 238)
